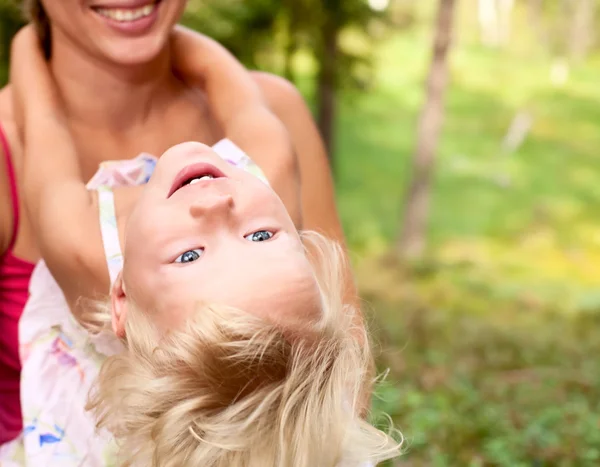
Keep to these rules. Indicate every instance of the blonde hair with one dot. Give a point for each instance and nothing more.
(233, 390)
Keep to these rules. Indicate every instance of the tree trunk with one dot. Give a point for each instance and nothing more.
(488, 22)
(291, 46)
(10, 23)
(505, 9)
(495, 21)
(582, 24)
(327, 85)
(290, 52)
(411, 242)
(535, 13)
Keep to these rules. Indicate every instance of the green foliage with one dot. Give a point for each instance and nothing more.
(266, 34)
(245, 29)
(492, 339)
(473, 390)
(10, 22)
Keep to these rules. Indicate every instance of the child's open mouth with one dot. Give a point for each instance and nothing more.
(195, 173)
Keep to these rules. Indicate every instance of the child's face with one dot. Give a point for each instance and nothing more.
(225, 240)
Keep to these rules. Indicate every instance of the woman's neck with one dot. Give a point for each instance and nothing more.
(104, 95)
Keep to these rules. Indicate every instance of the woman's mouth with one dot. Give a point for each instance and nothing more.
(128, 13)
(123, 15)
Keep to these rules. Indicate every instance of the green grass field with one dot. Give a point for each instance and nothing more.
(492, 339)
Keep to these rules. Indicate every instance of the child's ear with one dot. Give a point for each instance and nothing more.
(118, 301)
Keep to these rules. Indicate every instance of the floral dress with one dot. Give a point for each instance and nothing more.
(60, 359)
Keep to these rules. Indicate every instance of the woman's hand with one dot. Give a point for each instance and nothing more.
(34, 94)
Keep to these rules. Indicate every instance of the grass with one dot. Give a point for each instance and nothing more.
(491, 340)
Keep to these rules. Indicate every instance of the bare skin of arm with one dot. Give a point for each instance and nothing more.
(76, 258)
(319, 210)
(62, 211)
(240, 109)
(86, 261)
(6, 220)
(23, 243)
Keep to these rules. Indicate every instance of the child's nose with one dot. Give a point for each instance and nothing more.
(211, 204)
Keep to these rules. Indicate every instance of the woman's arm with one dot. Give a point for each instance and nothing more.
(250, 105)
(62, 211)
(238, 106)
(7, 128)
(318, 194)
(319, 210)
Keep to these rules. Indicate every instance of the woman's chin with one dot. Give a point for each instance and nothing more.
(135, 41)
(134, 51)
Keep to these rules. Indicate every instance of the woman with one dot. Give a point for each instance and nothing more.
(249, 358)
(118, 50)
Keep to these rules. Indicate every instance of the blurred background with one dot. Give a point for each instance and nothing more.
(464, 142)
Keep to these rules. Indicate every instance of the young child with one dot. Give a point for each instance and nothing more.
(236, 348)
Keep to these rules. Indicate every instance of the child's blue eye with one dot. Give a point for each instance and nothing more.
(189, 256)
(260, 236)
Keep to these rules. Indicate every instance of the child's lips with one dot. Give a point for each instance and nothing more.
(194, 171)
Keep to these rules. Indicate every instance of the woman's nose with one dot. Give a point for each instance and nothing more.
(212, 204)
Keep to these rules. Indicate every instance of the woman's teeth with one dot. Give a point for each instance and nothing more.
(127, 15)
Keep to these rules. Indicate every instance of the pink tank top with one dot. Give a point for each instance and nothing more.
(14, 282)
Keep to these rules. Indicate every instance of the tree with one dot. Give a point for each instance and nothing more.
(293, 22)
(247, 29)
(581, 33)
(411, 242)
(10, 22)
(327, 79)
(262, 29)
(495, 21)
(329, 19)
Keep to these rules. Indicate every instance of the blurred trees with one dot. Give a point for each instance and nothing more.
(10, 22)
(582, 27)
(564, 27)
(411, 242)
(495, 21)
(269, 34)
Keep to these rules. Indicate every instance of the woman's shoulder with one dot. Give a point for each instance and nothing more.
(288, 104)
(8, 125)
(278, 91)
(9, 129)
(7, 120)
(6, 104)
